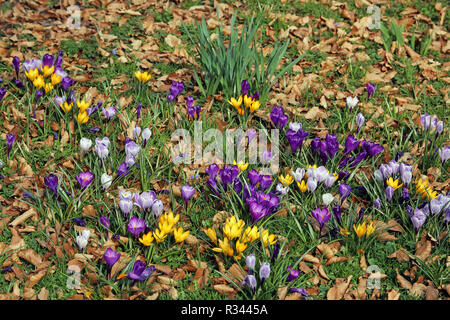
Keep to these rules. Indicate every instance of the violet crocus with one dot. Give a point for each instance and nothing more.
(140, 272)
(265, 182)
(302, 291)
(109, 112)
(2, 93)
(125, 205)
(66, 83)
(264, 271)
(250, 280)
(187, 192)
(419, 218)
(351, 143)
(292, 274)
(296, 138)
(344, 190)
(253, 177)
(257, 211)
(372, 148)
(138, 111)
(245, 87)
(321, 215)
(337, 212)
(377, 203)
(39, 94)
(276, 251)
(16, 65)
(266, 156)
(104, 220)
(444, 153)
(136, 226)
(389, 193)
(132, 148)
(370, 89)
(406, 171)
(10, 138)
(111, 257)
(250, 261)
(145, 200)
(212, 170)
(51, 181)
(360, 121)
(85, 179)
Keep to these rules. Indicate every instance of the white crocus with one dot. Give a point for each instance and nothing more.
(106, 180)
(327, 198)
(352, 102)
(85, 144)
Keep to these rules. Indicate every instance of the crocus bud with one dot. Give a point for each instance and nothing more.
(344, 190)
(136, 132)
(377, 203)
(360, 120)
(327, 198)
(389, 193)
(264, 271)
(250, 280)
(405, 194)
(130, 160)
(329, 181)
(250, 261)
(104, 221)
(352, 102)
(125, 206)
(311, 184)
(146, 134)
(85, 144)
(82, 242)
(187, 192)
(157, 208)
(106, 180)
(418, 219)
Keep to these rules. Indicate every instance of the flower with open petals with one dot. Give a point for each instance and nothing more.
(179, 235)
(147, 239)
(142, 77)
(286, 180)
(140, 272)
(136, 226)
(360, 229)
(111, 257)
(85, 179)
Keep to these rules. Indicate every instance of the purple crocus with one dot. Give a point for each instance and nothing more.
(337, 212)
(85, 179)
(136, 226)
(276, 251)
(245, 86)
(51, 181)
(212, 170)
(145, 200)
(39, 94)
(377, 203)
(250, 261)
(292, 274)
(123, 169)
(2, 93)
(104, 220)
(257, 211)
(370, 89)
(264, 271)
(389, 193)
(351, 143)
(321, 215)
(10, 138)
(190, 101)
(302, 291)
(419, 218)
(16, 65)
(444, 153)
(253, 177)
(265, 182)
(360, 120)
(66, 83)
(79, 222)
(125, 205)
(111, 257)
(344, 190)
(371, 148)
(187, 192)
(138, 111)
(296, 138)
(140, 272)
(109, 112)
(250, 280)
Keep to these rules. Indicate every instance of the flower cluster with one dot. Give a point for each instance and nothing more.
(193, 111)
(83, 238)
(431, 122)
(326, 149)
(145, 201)
(250, 279)
(368, 150)
(233, 231)
(175, 90)
(314, 176)
(363, 229)
(295, 136)
(250, 102)
(166, 226)
(391, 174)
(278, 117)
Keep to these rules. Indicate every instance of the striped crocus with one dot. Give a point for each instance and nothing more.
(321, 215)
(109, 112)
(140, 272)
(111, 257)
(136, 226)
(85, 179)
(444, 153)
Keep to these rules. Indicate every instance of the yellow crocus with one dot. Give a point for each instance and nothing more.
(224, 246)
(66, 106)
(48, 87)
(159, 235)
(39, 82)
(250, 234)
(248, 101)
(393, 183)
(46, 70)
(344, 231)
(268, 239)
(169, 218)
(82, 117)
(233, 228)
(32, 74)
(302, 186)
(143, 77)
(241, 165)
(236, 103)
(360, 230)
(286, 180)
(147, 239)
(370, 229)
(240, 247)
(211, 233)
(82, 105)
(55, 79)
(255, 106)
(179, 235)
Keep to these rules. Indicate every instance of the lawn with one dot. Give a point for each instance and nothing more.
(216, 150)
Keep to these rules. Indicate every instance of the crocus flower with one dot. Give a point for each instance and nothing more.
(406, 173)
(360, 120)
(138, 111)
(145, 200)
(370, 89)
(140, 272)
(264, 271)
(39, 94)
(51, 181)
(136, 226)
(125, 206)
(405, 194)
(377, 203)
(123, 169)
(266, 181)
(351, 143)
(372, 148)
(79, 222)
(106, 180)
(439, 128)
(132, 148)
(85, 179)
(276, 251)
(418, 219)
(292, 274)
(281, 189)
(352, 102)
(2, 93)
(444, 153)
(296, 138)
(337, 212)
(109, 112)
(298, 174)
(157, 208)
(250, 261)
(146, 134)
(250, 280)
(327, 198)
(85, 144)
(311, 184)
(142, 77)
(82, 242)
(111, 257)
(16, 65)
(187, 192)
(344, 190)
(266, 156)
(321, 215)
(245, 86)
(190, 101)
(10, 138)
(302, 291)
(66, 83)
(104, 220)
(253, 177)
(389, 193)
